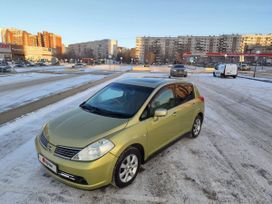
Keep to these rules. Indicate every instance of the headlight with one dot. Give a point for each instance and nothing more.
(94, 150)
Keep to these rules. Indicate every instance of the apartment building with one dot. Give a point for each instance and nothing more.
(99, 49)
(255, 40)
(5, 52)
(45, 39)
(168, 49)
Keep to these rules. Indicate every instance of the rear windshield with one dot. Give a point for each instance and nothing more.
(178, 66)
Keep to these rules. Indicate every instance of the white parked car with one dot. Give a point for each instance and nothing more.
(225, 70)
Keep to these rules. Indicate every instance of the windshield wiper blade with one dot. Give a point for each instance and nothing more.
(93, 109)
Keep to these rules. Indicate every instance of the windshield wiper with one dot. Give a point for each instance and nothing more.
(89, 108)
(93, 109)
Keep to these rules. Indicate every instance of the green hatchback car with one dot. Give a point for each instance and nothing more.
(108, 137)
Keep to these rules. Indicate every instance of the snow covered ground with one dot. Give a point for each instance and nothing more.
(230, 162)
(22, 77)
(68, 68)
(11, 98)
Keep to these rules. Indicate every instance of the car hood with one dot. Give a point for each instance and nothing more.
(78, 128)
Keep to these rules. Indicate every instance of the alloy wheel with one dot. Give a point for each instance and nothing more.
(128, 168)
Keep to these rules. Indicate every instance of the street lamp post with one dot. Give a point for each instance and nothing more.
(110, 61)
(225, 57)
(255, 68)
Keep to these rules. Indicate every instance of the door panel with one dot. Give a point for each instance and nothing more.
(185, 117)
(161, 130)
(186, 106)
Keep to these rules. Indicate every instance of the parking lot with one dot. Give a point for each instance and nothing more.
(230, 162)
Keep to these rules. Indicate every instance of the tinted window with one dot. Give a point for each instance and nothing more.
(118, 100)
(165, 98)
(184, 93)
(178, 66)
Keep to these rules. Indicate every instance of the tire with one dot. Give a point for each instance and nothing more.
(222, 76)
(169, 77)
(122, 176)
(214, 74)
(196, 126)
(234, 77)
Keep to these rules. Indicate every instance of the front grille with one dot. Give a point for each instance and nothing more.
(66, 152)
(43, 140)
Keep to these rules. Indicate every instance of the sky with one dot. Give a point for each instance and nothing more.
(123, 20)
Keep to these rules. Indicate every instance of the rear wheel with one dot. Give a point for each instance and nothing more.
(234, 77)
(127, 167)
(196, 126)
(214, 74)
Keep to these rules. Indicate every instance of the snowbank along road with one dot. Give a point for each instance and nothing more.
(230, 162)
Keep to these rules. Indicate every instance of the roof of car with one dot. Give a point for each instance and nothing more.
(147, 82)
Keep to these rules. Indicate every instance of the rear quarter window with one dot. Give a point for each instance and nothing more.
(184, 93)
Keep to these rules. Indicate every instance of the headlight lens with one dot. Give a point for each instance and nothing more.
(94, 150)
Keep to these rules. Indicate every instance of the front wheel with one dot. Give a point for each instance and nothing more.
(127, 167)
(196, 126)
(214, 74)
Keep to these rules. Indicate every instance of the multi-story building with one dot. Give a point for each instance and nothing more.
(20, 37)
(5, 52)
(169, 49)
(98, 49)
(255, 40)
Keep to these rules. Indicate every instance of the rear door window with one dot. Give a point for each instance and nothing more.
(184, 93)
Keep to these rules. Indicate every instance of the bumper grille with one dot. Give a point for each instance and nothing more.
(73, 178)
(66, 152)
(43, 140)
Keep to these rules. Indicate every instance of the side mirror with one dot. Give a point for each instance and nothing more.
(161, 112)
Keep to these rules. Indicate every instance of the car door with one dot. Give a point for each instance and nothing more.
(160, 130)
(185, 107)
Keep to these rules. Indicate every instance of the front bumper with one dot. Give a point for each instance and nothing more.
(178, 74)
(90, 175)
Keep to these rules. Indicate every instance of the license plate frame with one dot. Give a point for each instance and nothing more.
(48, 164)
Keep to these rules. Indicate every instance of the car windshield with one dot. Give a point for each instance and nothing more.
(179, 66)
(118, 100)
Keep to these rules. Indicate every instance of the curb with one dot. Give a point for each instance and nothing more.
(255, 79)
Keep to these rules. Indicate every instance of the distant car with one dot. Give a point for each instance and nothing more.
(5, 67)
(178, 70)
(40, 64)
(225, 70)
(79, 65)
(146, 65)
(243, 67)
(30, 64)
(20, 64)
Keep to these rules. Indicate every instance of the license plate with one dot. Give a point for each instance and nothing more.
(48, 163)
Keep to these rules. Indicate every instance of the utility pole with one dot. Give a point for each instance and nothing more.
(257, 57)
